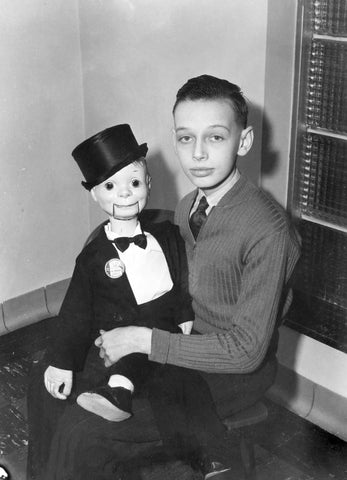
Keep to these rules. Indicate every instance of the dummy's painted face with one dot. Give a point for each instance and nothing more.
(207, 140)
(124, 195)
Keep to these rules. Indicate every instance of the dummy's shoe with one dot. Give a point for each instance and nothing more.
(111, 403)
(218, 471)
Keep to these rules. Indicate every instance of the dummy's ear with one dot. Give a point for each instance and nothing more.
(149, 183)
(246, 141)
(92, 192)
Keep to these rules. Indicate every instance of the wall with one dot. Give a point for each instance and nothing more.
(311, 379)
(43, 212)
(136, 54)
(279, 84)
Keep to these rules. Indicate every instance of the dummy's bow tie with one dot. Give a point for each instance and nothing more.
(122, 243)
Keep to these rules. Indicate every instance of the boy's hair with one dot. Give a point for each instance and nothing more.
(207, 87)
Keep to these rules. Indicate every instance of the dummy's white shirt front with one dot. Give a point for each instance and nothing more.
(146, 268)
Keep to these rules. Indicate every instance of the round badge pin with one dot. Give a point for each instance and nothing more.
(114, 268)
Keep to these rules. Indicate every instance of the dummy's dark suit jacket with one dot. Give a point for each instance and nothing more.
(94, 301)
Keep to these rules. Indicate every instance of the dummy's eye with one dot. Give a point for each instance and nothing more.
(135, 182)
(109, 185)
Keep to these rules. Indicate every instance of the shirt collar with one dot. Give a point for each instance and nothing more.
(216, 196)
(111, 235)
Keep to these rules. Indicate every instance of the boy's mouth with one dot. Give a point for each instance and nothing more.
(201, 172)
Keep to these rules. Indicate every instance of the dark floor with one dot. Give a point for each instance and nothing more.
(287, 447)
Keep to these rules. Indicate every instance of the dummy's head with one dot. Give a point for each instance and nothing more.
(115, 170)
(106, 152)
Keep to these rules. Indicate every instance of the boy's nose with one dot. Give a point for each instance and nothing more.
(199, 156)
(199, 151)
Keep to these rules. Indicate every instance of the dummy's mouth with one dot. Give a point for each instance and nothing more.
(115, 205)
(121, 210)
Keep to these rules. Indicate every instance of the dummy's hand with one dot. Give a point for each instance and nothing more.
(186, 327)
(56, 377)
(122, 341)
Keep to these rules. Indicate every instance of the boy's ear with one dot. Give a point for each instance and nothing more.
(246, 141)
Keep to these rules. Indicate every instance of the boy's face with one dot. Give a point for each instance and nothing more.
(125, 194)
(207, 140)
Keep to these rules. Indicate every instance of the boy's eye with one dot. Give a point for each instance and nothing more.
(185, 139)
(216, 138)
(109, 185)
(135, 182)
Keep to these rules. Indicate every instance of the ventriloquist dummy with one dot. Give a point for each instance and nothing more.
(130, 274)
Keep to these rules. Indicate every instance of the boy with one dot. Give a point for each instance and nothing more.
(117, 283)
(240, 262)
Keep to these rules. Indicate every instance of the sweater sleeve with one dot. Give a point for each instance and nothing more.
(243, 346)
(72, 337)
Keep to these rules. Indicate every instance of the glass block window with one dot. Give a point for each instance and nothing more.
(329, 17)
(326, 94)
(318, 194)
(323, 178)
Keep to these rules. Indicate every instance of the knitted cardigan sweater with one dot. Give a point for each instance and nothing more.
(239, 272)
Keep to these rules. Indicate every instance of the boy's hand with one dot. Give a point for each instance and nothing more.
(186, 327)
(115, 344)
(55, 378)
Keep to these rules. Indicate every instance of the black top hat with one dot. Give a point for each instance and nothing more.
(102, 155)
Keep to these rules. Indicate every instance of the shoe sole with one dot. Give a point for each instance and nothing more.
(92, 402)
(220, 473)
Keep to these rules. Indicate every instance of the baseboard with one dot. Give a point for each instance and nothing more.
(55, 294)
(315, 403)
(292, 391)
(329, 412)
(3, 329)
(32, 307)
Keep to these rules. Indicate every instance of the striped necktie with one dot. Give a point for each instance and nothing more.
(198, 217)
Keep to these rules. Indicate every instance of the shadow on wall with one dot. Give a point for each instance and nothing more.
(269, 156)
(262, 158)
(164, 192)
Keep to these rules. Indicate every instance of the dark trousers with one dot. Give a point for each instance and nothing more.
(185, 414)
(67, 442)
(158, 313)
